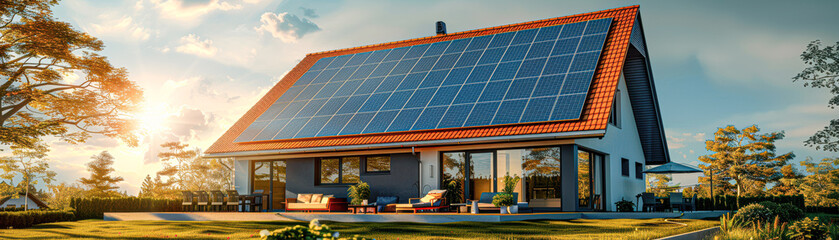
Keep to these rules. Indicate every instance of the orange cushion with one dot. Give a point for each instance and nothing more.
(304, 198)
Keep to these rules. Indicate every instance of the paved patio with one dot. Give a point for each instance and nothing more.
(401, 217)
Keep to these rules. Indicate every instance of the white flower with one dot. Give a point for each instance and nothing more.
(314, 223)
(335, 235)
(264, 233)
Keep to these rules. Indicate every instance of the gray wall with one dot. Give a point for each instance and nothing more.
(402, 180)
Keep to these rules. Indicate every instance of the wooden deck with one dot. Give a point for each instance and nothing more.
(397, 217)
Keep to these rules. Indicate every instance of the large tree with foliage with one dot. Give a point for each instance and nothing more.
(745, 156)
(60, 194)
(659, 184)
(822, 71)
(821, 186)
(29, 163)
(101, 183)
(156, 188)
(788, 184)
(185, 169)
(54, 83)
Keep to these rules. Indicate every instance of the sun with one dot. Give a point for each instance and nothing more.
(152, 118)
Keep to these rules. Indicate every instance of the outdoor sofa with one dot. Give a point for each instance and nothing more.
(316, 202)
(485, 202)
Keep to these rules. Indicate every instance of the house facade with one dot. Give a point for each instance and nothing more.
(568, 104)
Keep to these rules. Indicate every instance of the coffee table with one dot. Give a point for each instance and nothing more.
(364, 208)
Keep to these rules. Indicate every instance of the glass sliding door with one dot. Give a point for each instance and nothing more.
(598, 183)
(453, 176)
(278, 181)
(541, 177)
(590, 180)
(510, 163)
(270, 177)
(480, 174)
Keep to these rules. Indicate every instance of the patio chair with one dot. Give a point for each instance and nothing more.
(433, 201)
(188, 202)
(203, 200)
(257, 201)
(217, 200)
(232, 200)
(690, 203)
(649, 201)
(676, 200)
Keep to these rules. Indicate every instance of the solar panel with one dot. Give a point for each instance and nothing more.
(532, 75)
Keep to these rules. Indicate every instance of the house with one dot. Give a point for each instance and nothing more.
(568, 103)
(20, 200)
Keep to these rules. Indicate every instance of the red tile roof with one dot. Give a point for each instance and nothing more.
(594, 116)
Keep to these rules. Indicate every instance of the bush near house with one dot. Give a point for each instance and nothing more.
(729, 202)
(25, 219)
(87, 208)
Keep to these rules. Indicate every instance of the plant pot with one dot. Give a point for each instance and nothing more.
(513, 209)
(504, 210)
(475, 207)
(364, 202)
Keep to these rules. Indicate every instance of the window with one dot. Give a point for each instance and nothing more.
(377, 164)
(615, 117)
(625, 167)
(343, 170)
(639, 170)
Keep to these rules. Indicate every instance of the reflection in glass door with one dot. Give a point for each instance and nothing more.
(278, 181)
(453, 176)
(480, 174)
(590, 180)
(262, 176)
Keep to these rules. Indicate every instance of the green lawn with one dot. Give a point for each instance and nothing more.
(573, 229)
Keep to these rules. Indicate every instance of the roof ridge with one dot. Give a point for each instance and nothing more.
(474, 30)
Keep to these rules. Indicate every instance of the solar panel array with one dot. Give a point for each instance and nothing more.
(533, 75)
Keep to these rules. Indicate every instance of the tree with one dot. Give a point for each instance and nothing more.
(745, 156)
(788, 184)
(822, 71)
(821, 187)
(60, 195)
(40, 60)
(657, 184)
(100, 183)
(30, 164)
(185, 169)
(156, 188)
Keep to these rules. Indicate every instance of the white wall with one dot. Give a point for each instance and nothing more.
(20, 201)
(618, 143)
(429, 178)
(241, 176)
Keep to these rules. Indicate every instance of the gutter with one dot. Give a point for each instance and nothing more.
(494, 139)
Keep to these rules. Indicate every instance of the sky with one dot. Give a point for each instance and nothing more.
(204, 63)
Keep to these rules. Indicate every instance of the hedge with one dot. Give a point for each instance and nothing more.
(87, 208)
(24, 219)
(729, 202)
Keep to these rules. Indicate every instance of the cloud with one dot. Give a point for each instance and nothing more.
(192, 44)
(123, 27)
(309, 13)
(192, 8)
(286, 26)
(677, 140)
(188, 123)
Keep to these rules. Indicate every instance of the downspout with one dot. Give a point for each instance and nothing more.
(419, 176)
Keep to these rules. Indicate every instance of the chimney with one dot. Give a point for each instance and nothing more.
(441, 28)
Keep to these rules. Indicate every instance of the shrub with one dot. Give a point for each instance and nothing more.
(314, 231)
(625, 206)
(24, 219)
(87, 208)
(775, 230)
(788, 212)
(772, 206)
(503, 200)
(510, 183)
(808, 229)
(753, 213)
(728, 223)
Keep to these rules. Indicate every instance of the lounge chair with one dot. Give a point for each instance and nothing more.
(188, 203)
(232, 200)
(217, 200)
(433, 201)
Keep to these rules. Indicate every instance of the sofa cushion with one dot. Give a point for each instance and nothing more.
(316, 198)
(306, 206)
(304, 198)
(485, 205)
(325, 199)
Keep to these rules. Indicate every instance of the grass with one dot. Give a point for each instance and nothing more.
(570, 229)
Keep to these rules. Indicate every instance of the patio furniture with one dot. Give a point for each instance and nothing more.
(690, 203)
(316, 202)
(255, 203)
(649, 202)
(188, 202)
(386, 203)
(485, 202)
(363, 208)
(676, 200)
(203, 200)
(232, 200)
(245, 202)
(217, 200)
(433, 201)
(461, 207)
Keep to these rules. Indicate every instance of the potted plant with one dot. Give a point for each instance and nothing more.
(625, 206)
(359, 193)
(506, 200)
(503, 200)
